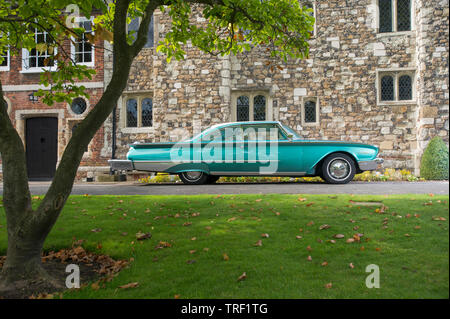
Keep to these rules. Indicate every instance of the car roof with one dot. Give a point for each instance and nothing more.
(243, 123)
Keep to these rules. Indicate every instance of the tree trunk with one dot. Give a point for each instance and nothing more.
(27, 228)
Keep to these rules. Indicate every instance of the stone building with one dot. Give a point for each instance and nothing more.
(377, 72)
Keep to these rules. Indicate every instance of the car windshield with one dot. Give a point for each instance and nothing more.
(290, 131)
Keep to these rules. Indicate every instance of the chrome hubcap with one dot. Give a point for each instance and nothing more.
(339, 169)
(193, 176)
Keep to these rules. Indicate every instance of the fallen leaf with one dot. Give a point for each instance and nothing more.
(225, 257)
(265, 235)
(177, 296)
(324, 264)
(309, 258)
(96, 230)
(192, 251)
(417, 227)
(308, 248)
(407, 235)
(193, 261)
(142, 236)
(95, 286)
(350, 240)
(301, 199)
(258, 243)
(329, 285)
(194, 238)
(231, 219)
(242, 277)
(362, 248)
(298, 237)
(130, 285)
(333, 241)
(310, 223)
(339, 236)
(377, 249)
(187, 224)
(325, 226)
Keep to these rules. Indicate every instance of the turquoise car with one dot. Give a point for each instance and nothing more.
(267, 148)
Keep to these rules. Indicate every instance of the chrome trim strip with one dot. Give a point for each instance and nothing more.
(275, 174)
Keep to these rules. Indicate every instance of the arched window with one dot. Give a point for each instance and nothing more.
(405, 88)
(243, 108)
(387, 88)
(132, 114)
(259, 108)
(147, 112)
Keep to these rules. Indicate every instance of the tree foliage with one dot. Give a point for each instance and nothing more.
(231, 26)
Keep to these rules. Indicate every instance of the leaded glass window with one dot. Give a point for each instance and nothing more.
(403, 15)
(243, 108)
(394, 15)
(132, 114)
(147, 112)
(310, 111)
(133, 27)
(387, 88)
(259, 105)
(405, 88)
(385, 12)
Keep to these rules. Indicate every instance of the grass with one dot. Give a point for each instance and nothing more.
(414, 266)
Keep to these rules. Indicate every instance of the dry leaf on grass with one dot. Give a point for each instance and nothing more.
(339, 236)
(242, 277)
(265, 235)
(325, 226)
(142, 236)
(329, 285)
(225, 257)
(130, 285)
(258, 243)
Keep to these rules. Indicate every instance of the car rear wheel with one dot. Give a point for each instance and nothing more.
(194, 178)
(338, 168)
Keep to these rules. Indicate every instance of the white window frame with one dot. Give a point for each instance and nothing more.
(8, 62)
(251, 95)
(138, 97)
(394, 20)
(72, 46)
(396, 74)
(303, 115)
(26, 57)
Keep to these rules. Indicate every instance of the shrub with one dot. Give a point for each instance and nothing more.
(434, 163)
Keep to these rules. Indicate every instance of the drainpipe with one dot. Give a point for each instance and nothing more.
(114, 124)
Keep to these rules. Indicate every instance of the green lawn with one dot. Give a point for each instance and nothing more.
(411, 266)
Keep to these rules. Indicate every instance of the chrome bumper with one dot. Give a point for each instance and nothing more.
(121, 165)
(370, 165)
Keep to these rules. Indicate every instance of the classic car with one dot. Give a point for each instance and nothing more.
(265, 148)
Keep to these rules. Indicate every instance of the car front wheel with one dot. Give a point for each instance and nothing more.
(194, 178)
(338, 168)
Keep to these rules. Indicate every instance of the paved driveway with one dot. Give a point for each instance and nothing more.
(131, 188)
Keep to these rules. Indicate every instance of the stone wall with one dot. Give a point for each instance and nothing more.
(342, 71)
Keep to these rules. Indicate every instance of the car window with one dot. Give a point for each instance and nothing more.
(261, 132)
